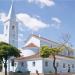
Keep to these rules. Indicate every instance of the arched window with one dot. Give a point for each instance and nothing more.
(13, 27)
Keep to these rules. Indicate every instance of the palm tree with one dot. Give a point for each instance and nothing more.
(7, 51)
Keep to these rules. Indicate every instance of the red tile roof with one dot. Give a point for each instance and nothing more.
(31, 45)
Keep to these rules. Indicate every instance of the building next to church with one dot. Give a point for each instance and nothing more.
(30, 60)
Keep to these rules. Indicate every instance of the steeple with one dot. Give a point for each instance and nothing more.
(11, 11)
(11, 27)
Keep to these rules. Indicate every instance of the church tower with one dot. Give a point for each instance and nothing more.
(11, 27)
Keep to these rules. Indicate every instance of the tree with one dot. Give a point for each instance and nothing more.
(7, 51)
(45, 52)
(66, 41)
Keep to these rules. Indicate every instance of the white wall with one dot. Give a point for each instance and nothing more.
(60, 68)
(33, 40)
(28, 66)
(29, 51)
(49, 68)
(21, 66)
(38, 66)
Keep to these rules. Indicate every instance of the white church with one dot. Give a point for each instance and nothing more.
(30, 60)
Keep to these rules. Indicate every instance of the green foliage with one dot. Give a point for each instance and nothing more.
(6, 51)
(45, 51)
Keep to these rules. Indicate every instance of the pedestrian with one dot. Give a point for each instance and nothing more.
(37, 72)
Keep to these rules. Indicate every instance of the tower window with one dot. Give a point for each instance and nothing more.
(13, 27)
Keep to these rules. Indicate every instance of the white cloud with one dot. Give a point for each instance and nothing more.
(56, 19)
(30, 22)
(43, 3)
(3, 17)
(55, 22)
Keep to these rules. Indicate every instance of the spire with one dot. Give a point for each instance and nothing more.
(11, 11)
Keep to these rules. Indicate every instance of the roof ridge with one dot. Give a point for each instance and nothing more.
(31, 56)
(31, 45)
(43, 38)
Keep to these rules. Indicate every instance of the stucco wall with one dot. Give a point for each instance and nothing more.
(38, 66)
(60, 68)
(49, 68)
(29, 51)
(28, 66)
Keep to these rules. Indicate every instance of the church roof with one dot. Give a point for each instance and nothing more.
(35, 56)
(38, 57)
(31, 45)
(34, 41)
(42, 38)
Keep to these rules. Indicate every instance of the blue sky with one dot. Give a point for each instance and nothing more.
(49, 18)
